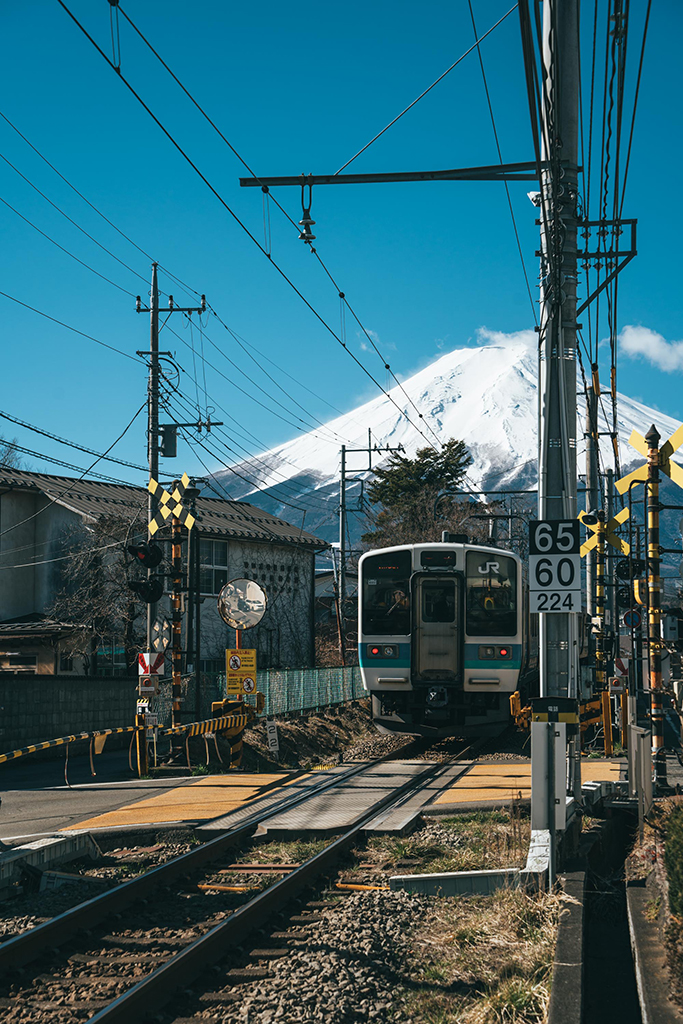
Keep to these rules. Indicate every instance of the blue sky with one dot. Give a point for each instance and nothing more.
(294, 89)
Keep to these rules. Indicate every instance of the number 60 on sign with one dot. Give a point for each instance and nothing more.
(554, 566)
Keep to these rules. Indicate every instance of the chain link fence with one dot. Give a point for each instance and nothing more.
(293, 690)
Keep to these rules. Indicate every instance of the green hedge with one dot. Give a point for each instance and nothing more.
(673, 859)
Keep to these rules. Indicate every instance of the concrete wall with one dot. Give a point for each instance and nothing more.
(36, 708)
(284, 637)
(30, 589)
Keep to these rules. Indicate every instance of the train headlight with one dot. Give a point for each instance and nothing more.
(382, 650)
(487, 652)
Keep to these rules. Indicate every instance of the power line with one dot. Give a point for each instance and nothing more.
(70, 328)
(85, 473)
(280, 207)
(67, 251)
(237, 220)
(58, 462)
(71, 221)
(71, 444)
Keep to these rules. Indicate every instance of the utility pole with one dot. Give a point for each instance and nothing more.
(153, 401)
(557, 351)
(557, 481)
(343, 509)
(654, 642)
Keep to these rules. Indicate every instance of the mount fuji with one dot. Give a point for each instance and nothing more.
(485, 395)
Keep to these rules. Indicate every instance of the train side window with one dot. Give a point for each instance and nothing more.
(386, 594)
(491, 594)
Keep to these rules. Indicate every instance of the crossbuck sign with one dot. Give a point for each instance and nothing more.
(554, 566)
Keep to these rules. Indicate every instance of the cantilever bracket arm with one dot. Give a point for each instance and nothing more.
(604, 284)
(495, 172)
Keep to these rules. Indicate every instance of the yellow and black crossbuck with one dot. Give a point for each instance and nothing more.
(170, 505)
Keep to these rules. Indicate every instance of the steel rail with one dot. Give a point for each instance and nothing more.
(25, 947)
(183, 968)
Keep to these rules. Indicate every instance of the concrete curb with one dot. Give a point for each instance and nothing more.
(649, 956)
(566, 993)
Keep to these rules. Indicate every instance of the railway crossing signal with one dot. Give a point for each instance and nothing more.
(608, 532)
(639, 475)
(170, 505)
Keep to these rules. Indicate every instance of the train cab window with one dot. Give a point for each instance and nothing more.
(438, 600)
(386, 594)
(491, 594)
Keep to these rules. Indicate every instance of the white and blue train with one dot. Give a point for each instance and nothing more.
(444, 638)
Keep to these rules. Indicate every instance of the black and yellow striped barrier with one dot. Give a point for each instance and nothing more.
(61, 740)
(222, 724)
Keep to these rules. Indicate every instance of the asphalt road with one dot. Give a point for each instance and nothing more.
(37, 802)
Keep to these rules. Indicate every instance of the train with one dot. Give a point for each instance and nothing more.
(445, 637)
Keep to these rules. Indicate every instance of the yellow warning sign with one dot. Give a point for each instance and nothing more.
(243, 659)
(240, 670)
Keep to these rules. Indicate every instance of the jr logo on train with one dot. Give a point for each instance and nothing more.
(444, 638)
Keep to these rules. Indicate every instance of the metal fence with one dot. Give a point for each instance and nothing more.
(302, 689)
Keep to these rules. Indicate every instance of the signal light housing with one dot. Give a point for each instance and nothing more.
(148, 555)
(150, 591)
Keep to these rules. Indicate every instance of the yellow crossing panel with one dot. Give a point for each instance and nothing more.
(498, 783)
(197, 801)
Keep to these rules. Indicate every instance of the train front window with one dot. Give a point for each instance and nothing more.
(386, 594)
(491, 594)
(438, 601)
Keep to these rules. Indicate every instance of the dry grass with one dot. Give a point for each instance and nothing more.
(468, 842)
(483, 960)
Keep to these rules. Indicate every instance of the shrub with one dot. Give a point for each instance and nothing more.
(673, 859)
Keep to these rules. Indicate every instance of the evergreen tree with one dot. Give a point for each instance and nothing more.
(404, 491)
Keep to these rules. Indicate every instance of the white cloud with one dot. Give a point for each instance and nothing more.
(487, 337)
(642, 343)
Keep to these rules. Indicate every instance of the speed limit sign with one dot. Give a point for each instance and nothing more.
(554, 566)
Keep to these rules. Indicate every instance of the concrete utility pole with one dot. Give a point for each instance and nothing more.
(557, 351)
(153, 402)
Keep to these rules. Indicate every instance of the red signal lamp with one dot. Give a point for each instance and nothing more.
(374, 650)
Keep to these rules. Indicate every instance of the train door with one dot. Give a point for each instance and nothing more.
(437, 640)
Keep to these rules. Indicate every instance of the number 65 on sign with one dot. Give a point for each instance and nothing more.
(554, 566)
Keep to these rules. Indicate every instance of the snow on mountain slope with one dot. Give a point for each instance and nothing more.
(485, 395)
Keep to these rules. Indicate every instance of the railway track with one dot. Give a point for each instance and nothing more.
(124, 954)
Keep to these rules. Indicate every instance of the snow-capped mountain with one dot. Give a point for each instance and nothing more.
(486, 396)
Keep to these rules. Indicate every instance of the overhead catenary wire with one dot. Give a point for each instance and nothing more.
(235, 217)
(500, 160)
(424, 93)
(266, 192)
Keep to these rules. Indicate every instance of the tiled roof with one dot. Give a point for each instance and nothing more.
(217, 516)
(32, 630)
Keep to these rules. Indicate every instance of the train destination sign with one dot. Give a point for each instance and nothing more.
(554, 566)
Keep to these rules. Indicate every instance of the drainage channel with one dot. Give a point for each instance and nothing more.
(610, 989)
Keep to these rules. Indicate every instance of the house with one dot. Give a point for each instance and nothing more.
(39, 514)
(326, 583)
